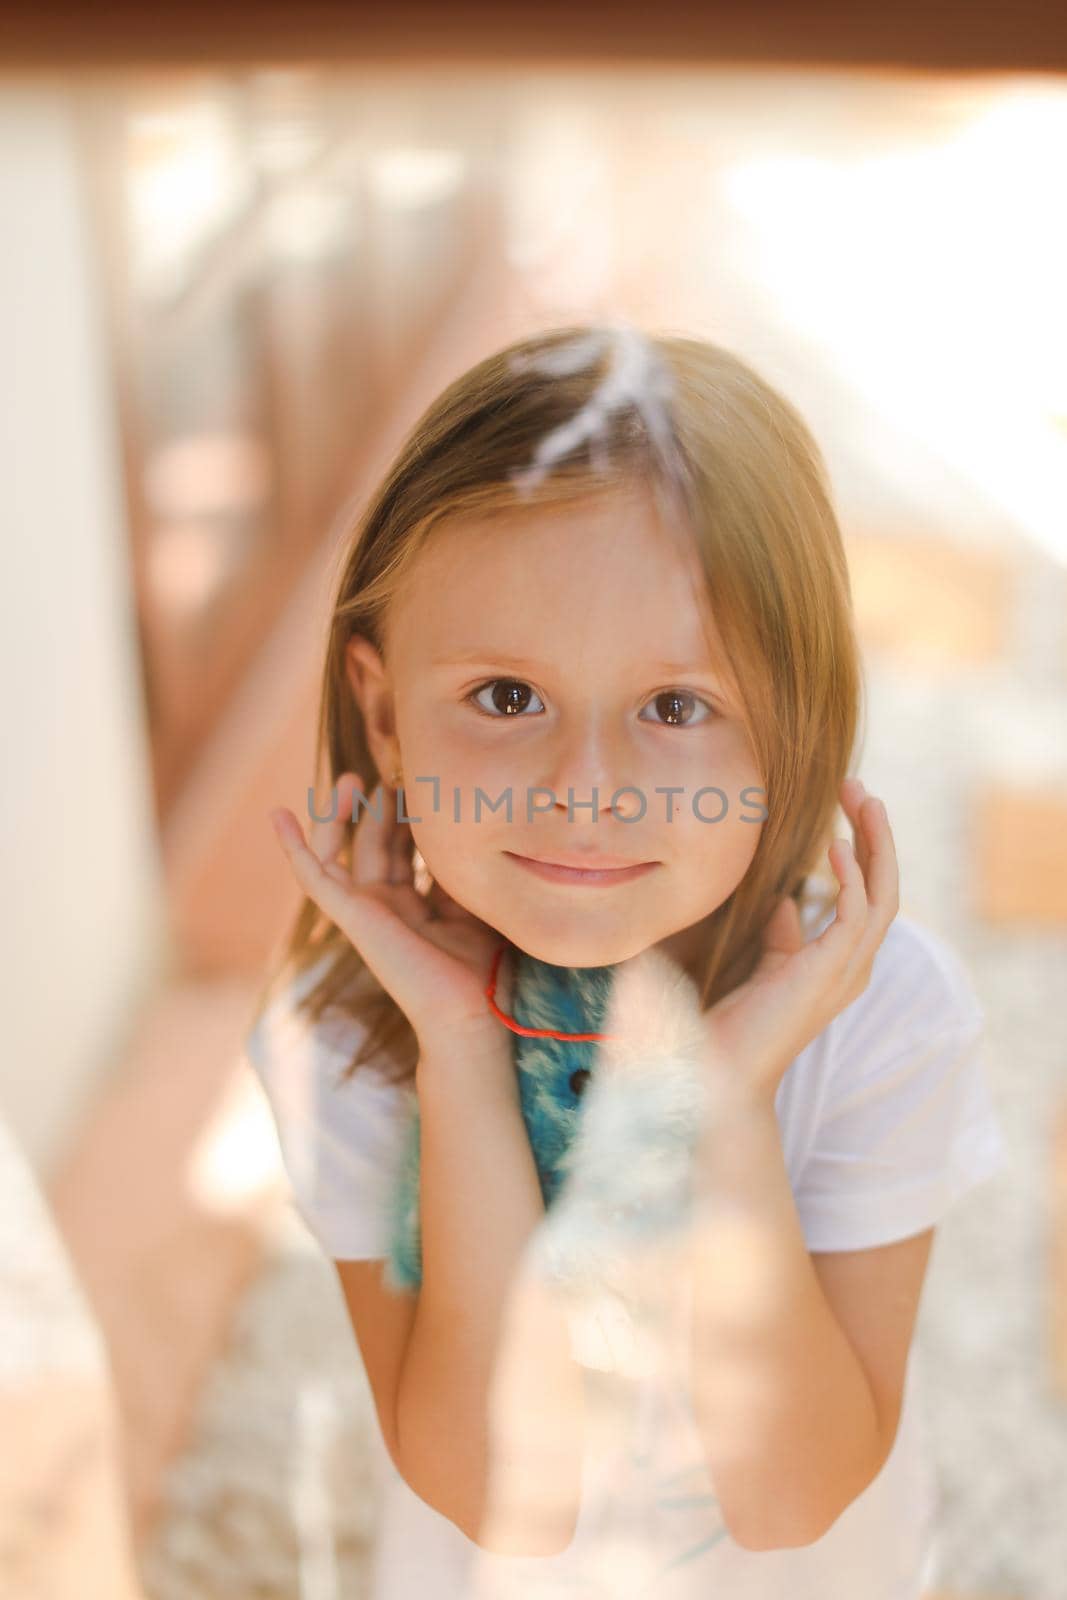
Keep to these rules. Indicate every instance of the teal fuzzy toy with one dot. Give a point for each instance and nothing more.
(612, 1122)
(552, 1076)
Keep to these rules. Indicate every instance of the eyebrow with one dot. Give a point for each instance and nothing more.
(521, 664)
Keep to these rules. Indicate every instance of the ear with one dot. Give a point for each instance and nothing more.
(372, 690)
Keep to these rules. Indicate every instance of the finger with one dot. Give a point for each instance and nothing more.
(789, 922)
(505, 978)
(322, 882)
(853, 799)
(401, 845)
(439, 900)
(876, 853)
(322, 831)
(782, 932)
(883, 872)
(844, 934)
(326, 836)
(370, 847)
(376, 932)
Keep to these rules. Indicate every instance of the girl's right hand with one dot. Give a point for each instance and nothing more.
(431, 955)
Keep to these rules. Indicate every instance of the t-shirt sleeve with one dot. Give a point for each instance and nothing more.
(340, 1138)
(907, 1123)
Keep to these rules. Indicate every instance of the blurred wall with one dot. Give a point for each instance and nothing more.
(83, 928)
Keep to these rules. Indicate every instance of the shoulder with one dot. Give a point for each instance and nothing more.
(919, 1020)
(340, 1136)
(302, 1062)
(919, 988)
(889, 1114)
(281, 1021)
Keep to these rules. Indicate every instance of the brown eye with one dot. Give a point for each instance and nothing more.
(509, 697)
(676, 707)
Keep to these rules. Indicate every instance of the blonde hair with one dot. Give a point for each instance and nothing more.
(736, 458)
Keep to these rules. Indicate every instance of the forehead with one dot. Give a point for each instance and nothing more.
(540, 580)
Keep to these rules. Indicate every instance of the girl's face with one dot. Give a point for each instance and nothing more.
(555, 655)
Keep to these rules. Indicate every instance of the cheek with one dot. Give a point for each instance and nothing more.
(718, 853)
(428, 736)
(455, 853)
(468, 872)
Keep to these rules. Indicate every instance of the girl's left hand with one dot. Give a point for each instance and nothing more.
(797, 988)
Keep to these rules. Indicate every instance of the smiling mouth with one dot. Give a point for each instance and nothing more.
(553, 872)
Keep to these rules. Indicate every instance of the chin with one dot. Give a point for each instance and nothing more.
(573, 949)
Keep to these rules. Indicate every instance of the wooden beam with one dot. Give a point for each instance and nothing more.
(1029, 35)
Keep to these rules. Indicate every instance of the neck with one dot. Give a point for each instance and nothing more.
(686, 947)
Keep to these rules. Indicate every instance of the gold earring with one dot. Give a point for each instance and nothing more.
(398, 778)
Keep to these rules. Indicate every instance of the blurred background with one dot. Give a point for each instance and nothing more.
(238, 256)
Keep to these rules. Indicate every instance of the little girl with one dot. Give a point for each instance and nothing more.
(623, 547)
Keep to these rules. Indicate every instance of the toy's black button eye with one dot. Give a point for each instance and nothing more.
(579, 1079)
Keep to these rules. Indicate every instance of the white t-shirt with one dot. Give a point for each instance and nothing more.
(885, 1120)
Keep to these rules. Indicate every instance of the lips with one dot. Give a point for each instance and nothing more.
(590, 876)
(586, 863)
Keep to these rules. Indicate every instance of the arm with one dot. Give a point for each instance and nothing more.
(507, 1473)
(797, 1368)
(798, 1360)
(457, 1402)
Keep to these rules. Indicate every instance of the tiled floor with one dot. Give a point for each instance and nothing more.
(276, 1499)
(63, 1523)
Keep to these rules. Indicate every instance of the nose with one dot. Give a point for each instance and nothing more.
(592, 765)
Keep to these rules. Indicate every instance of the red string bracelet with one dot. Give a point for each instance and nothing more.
(517, 1027)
